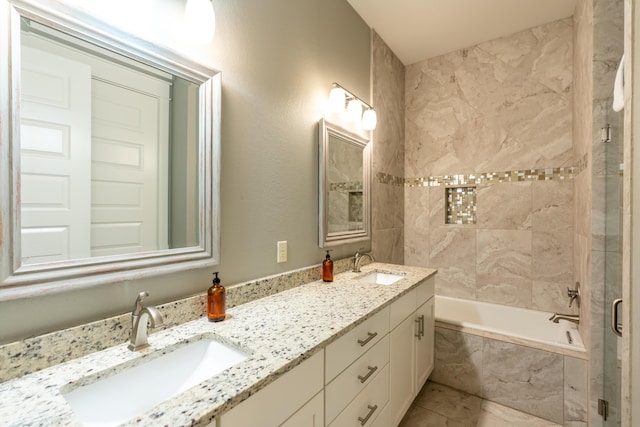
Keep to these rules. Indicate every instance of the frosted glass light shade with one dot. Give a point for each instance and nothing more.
(369, 119)
(200, 20)
(336, 100)
(354, 111)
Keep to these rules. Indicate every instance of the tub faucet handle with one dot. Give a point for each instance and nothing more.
(574, 294)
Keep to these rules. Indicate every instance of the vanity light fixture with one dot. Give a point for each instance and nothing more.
(337, 99)
(369, 119)
(200, 20)
(343, 101)
(354, 110)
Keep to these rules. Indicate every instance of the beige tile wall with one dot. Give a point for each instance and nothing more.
(503, 105)
(388, 154)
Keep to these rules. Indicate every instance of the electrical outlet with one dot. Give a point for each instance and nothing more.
(282, 251)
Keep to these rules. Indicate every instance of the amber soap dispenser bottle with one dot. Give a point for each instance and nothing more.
(216, 300)
(327, 268)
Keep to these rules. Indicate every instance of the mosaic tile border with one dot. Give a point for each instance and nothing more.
(546, 174)
(346, 186)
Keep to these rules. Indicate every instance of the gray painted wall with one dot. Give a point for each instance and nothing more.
(278, 59)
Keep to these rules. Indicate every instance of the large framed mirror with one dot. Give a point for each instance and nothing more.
(344, 186)
(110, 153)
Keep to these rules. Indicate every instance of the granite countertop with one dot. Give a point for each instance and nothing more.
(279, 332)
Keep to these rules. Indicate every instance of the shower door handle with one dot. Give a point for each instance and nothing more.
(615, 326)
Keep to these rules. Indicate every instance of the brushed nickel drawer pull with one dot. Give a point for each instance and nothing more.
(364, 420)
(371, 336)
(364, 378)
(422, 324)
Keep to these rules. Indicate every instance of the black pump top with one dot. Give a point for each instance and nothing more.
(216, 279)
(328, 256)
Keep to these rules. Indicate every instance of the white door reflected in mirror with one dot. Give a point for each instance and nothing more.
(111, 168)
(95, 152)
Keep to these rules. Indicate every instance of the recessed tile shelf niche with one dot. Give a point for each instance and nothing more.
(460, 205)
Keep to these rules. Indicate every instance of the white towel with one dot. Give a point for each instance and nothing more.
(618, 87)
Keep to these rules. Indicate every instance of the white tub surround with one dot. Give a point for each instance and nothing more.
(280, 332)
(531, 328)
(512, 356)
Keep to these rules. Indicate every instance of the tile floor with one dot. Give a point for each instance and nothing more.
(440, 406)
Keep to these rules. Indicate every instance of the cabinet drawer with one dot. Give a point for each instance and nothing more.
(355, 378)
(342, 352)
(401, 308)
(367, 405)
(425, 290)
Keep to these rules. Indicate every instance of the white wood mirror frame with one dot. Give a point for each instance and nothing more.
(329, 235)
(18, 280)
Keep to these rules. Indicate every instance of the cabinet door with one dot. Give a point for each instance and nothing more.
(425, 343)
(275, 403)
(310, 415)
(402, 365)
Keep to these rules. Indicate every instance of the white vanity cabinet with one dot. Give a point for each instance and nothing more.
(366, 378)
(411, 351)
(357, 374)
(294, 399)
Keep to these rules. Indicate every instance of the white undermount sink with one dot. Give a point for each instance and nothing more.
(120, 397)
(380, 278)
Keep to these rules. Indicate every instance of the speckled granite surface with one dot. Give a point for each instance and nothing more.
(280, 331)
(33, 354)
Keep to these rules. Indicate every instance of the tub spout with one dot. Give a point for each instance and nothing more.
(570, 317)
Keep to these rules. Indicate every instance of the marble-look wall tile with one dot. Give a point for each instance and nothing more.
(552, 297)
(437, 207)
(417, 221)
(552, 256)
(382, 201)
(388, 246)
(582, 77)
(458, 360)
(539, 52)
(507, 206)
(388, 100)
(523, 378)
(503, 267)
(582, 201)
(552, 205)
(575, 390)
(388, 75)
(453, 251)
(505, 104)
(582, 273)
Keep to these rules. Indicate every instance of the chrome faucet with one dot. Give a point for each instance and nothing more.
(139, 318)
(574, 294)
(575, 318)
(357, 259)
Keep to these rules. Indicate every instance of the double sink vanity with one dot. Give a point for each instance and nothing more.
(352, 352)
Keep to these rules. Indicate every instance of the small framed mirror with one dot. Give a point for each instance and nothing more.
(110, 153)
(344, 186)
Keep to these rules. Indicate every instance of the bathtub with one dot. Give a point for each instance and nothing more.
(512, 324)
(513, 356)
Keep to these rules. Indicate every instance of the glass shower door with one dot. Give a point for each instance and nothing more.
(613, 265)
